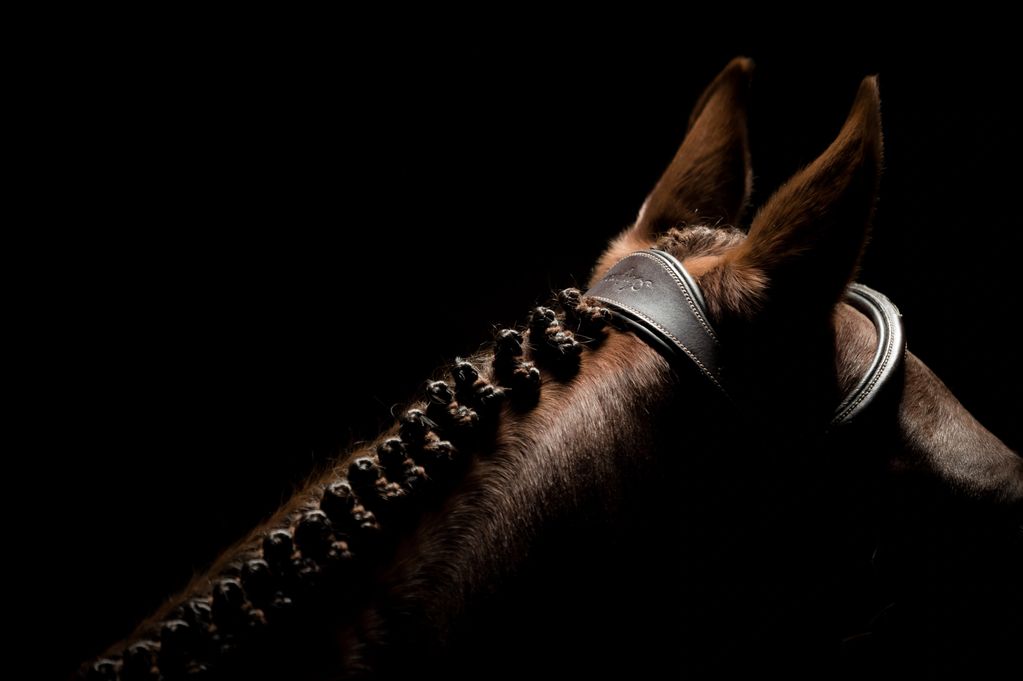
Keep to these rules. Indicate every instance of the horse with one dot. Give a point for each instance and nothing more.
(720, 459)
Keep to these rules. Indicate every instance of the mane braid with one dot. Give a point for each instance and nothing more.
(359, 515)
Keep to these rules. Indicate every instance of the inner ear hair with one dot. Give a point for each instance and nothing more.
(710, 178)
(805, 244)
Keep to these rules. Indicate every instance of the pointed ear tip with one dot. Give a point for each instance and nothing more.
(745, 64)
(870, 86)
(740, 67)
(867, 106)
(731, 84)
(869, 93)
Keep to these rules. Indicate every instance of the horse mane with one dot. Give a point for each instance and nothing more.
(347, 522)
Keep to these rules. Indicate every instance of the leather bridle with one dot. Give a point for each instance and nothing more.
(650, 293)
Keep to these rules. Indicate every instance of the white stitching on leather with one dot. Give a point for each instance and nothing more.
(844, 414)
(685, 292)
(667, 333)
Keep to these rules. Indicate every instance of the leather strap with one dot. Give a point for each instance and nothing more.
(651, 294)
(888, 358)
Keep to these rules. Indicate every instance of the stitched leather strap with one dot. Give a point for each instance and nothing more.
(651, 294)
(888, 358)
(654, 296)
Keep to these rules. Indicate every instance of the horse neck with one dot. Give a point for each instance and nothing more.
(934, 439)
(945, 499)
(576, 453)
(582, 453)
(942, 440)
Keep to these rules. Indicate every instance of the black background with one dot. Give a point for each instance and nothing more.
(251, 244)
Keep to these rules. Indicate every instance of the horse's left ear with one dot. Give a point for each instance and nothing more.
(710, 179)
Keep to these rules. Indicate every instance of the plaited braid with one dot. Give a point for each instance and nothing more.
(357, 514)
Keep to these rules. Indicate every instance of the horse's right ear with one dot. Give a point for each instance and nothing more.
(805, 244)
(710, 179)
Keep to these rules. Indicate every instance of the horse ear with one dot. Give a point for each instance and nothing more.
(710, 178)
(804, 245)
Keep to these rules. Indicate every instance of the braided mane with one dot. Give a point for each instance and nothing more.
(342, 527)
